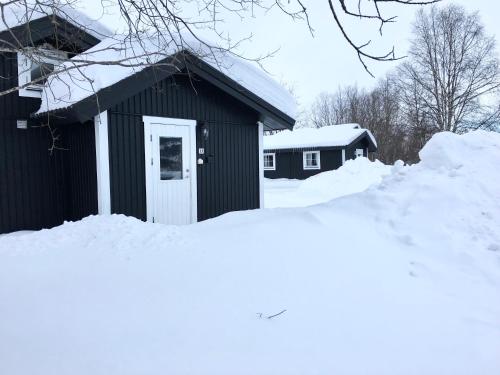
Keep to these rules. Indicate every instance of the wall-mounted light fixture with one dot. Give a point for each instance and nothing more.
(204, 130)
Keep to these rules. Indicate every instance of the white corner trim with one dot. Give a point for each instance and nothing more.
(261, 164)
(194, 173)
(147, 159)
(343, 156)
(102, 163)
(148, 121)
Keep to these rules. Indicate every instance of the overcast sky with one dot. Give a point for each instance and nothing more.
(325, 62)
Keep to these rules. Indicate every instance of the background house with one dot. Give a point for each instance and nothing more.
(175, 142)
(304, 152)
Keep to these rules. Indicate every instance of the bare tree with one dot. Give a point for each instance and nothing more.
(393, 115)
(451, 71)
(155, 28)
(346, 105)
(325, 111)
(369, 10)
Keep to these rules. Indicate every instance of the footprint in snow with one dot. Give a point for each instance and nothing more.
(406, 239)
(494, 247)
(418, 269)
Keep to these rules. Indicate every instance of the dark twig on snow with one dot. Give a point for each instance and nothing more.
(271, 316)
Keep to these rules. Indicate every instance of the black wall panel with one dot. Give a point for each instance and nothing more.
(126, 160)
(80, 167)
(38, 188)
(229, 179)
(289, 164)
(32, 180)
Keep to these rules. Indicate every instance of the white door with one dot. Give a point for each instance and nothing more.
(359, 153)
(171, 186)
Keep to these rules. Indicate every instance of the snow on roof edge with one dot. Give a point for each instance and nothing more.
(15, 15)
(328, 136)
(58, 96)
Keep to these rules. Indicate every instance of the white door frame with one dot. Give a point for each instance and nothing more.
(148, 121)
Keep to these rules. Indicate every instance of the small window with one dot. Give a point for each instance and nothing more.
(31, 69)
(312, 160)
(359, 153)
(170, 158)
(269, 162)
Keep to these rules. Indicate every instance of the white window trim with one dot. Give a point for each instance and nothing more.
(148, 120)
(304, 158)
(359, 150)
(24, 73)
(273, 168)
(102, 163)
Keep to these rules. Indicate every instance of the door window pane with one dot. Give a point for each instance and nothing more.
(170, 158)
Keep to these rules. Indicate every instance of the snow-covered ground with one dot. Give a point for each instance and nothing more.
(353, 177)
(403, 278)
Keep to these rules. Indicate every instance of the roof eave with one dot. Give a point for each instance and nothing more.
(372, 147)
(106, 98)
(45, 27)
(271, 117)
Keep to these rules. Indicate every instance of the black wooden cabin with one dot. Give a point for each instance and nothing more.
(159, 139)
(303, 153)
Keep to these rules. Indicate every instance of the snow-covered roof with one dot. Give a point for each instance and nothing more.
(71, 86)
(327, 136)
(19, 13)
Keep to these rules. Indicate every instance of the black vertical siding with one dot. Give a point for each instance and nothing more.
(40, 189)
(80, 167)
(32, 183)
(229, 179)
(126, 161)
(289, 164)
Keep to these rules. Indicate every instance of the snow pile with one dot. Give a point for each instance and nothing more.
(327, 136)
(353, 177)
(120, 57)
(403, 278)
(16, 14)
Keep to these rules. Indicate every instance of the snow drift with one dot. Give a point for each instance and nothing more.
(403, 278)
(353, 177)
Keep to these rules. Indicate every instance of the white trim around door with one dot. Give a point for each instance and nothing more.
(102, 163)
(153, 126)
